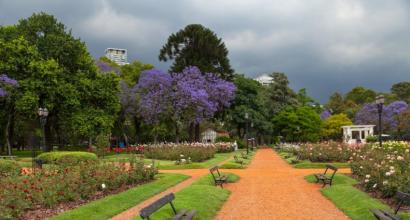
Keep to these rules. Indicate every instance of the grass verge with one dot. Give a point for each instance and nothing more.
(234, 165)
(353, 202)
(114, 204)
(202, 196)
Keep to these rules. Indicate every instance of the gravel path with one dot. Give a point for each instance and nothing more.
(271, 189)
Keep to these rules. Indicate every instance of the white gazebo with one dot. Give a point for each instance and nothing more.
(208, 136)
(356, 134)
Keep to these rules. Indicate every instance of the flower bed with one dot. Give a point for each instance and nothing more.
(197, 152)
(326, 152)
(67, 182)
(383, 170)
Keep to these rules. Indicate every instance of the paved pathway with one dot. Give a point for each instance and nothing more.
(268, 189)
(271, 189)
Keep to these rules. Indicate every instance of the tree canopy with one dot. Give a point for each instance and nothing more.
(196, 45)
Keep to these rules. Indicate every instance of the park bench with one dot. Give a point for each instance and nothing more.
(8, 157)
(324, 178)
(237, 160)
(150, 209)
(218, 178)
(380, 214)
(244, 156)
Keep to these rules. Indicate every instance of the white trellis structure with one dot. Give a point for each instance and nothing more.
(356, 134)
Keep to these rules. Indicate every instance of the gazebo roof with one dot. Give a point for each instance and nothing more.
(358, 126)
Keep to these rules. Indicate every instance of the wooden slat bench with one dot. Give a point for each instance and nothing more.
(147, 211)
(380, 214)
(218, 178)
(237, 160)
(244, 156)
(324, 178)
(8, 157)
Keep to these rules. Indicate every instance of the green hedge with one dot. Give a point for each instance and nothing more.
(63, 156)
(9, 168)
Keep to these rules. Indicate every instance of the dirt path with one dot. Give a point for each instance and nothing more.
(271, 189)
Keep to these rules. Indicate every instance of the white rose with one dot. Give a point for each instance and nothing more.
(103, 186)
(366, 180)
(368, 176)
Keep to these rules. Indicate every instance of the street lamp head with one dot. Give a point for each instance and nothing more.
(246, 115)
(40, 111)
(45, 112)
(380, 99)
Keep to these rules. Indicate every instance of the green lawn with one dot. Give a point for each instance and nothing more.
(114, 204)
(352, 201)
(202, 196)
(306, 164)
(234, 165)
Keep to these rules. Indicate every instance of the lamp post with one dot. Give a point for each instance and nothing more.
(379, 103)
(246, 132)
(43, 113)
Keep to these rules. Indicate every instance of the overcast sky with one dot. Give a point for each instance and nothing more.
(323, 46)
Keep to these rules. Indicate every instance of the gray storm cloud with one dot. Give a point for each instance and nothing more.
(324, 46)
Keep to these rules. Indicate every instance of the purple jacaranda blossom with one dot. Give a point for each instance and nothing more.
(7, 80)
(106, 67)
(369, 114)
(3, 92)
(325, 114)
(188, 96)
(128, 97)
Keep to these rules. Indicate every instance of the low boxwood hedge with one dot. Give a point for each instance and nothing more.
(9, 168)
(57, 157)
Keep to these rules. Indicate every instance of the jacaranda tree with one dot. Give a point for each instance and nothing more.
(187, 97)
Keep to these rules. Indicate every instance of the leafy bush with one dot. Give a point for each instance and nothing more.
(241, 143)
(67, 182)
(9, 168)
(197, 152)
(223, 139)
(331, 128)
(58, 157)
(371, 139)
(325, 152)
(384, 169)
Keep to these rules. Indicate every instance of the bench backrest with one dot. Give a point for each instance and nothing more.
(148, 210)
(213, 170)
(404, 198)
(331, 167)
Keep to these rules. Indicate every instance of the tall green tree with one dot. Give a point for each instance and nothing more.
(336, 103)
(56, 71)
(361, 95)
(300, 124)
(196, 45)
(402, 91)
(280, 94)
(332, 126)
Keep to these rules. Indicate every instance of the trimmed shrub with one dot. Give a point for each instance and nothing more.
(58, 157)
(9, 168)
(325, 152)
(195, 152)
(224, 147)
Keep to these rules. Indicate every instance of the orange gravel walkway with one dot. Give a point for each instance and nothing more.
(271, 189)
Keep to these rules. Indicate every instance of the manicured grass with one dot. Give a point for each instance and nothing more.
(234, 165)
(306, 164)
(202, 196)
(353, 202)
(114, 204)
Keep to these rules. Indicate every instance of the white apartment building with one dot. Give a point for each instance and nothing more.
(264, 79)
(119, 56)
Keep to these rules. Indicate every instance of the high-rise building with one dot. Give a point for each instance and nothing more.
(264, 79)
(119, 56)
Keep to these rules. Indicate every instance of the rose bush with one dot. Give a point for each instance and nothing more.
(197, 152)
(326, 152)
(67, 182)
(383, 169)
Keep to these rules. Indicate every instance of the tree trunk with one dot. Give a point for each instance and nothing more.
(197, 133)
(176, 133)
(7, 133)
(191, 132)
(137, 124)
